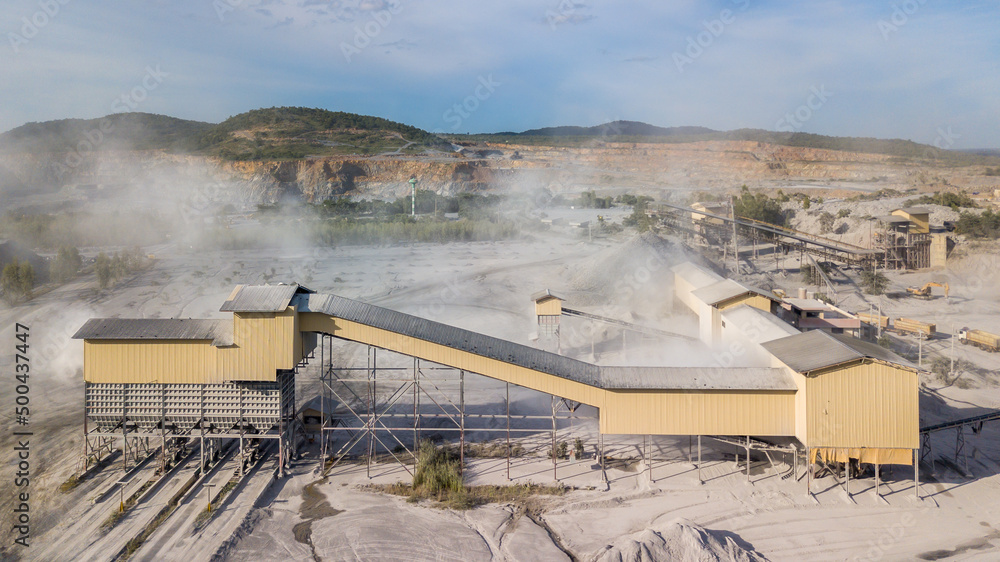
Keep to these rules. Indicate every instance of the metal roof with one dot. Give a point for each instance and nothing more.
(696, 275)
(543, 294)
(696, 378)
(725, 290)
(450, 336)
(219, 331)
(757, 325)
(261, 298)
(817, 349)
(915, 210)
(653, 378)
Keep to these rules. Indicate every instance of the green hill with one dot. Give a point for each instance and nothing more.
(295, 132)
(261, 134)
(139, 131)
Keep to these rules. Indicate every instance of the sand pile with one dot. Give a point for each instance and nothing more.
(636, 263)
(679, 540)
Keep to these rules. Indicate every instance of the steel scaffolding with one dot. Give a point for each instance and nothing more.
(371, 409)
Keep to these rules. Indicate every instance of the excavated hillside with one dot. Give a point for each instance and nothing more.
(643, 167)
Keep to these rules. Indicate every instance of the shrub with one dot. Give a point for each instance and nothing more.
(438, 472)
(874, 283)
(66, 264)
(758, 207)
(954, 200)
(986, 225)
(826, 221)
(17, 280)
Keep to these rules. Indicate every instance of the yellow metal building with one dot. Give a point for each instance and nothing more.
(838, 396)
(712, 299)
(919, 218)
(854, 399)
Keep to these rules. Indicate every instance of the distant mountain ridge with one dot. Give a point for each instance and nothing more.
(133, 130)
(637, 132)
(288, 133)
(617, 128)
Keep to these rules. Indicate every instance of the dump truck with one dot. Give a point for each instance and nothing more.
(980, 339)
(915, 327)
(874, 319)
(925, 291)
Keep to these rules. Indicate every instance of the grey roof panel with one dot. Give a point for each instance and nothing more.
(817, 349)
(696, 378)
(543, 294)
(725, 290)
(219, 331)
(450, 336)
(757, 325)
(262, 298)
(874, 351)
(696, 275)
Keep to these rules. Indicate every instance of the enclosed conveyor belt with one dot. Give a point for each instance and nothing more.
(631, 400)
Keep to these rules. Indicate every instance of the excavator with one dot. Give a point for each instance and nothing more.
(925, 291)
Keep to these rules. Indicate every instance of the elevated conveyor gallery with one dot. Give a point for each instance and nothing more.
(273, 330)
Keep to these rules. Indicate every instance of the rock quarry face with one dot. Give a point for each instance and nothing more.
(623, 166)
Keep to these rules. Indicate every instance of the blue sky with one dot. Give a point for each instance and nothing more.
(925, 70)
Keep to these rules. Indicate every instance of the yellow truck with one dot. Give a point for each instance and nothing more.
(874, 319)
(914, 327)
(980, 339)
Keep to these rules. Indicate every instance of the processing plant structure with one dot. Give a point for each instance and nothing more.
(153, 383)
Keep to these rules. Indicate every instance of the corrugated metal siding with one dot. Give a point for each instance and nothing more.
(752, 299)
(871, 456)
(262, 344)
(864, 405)
(149, 361)
(265, 342)
(549, 307)
(698, 413)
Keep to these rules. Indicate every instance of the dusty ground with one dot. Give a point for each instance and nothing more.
(485, 287)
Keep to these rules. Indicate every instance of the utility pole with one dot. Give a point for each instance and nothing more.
(121, 495)
(736, 242)
(413, 197)
(953, 335)
(208, 487)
